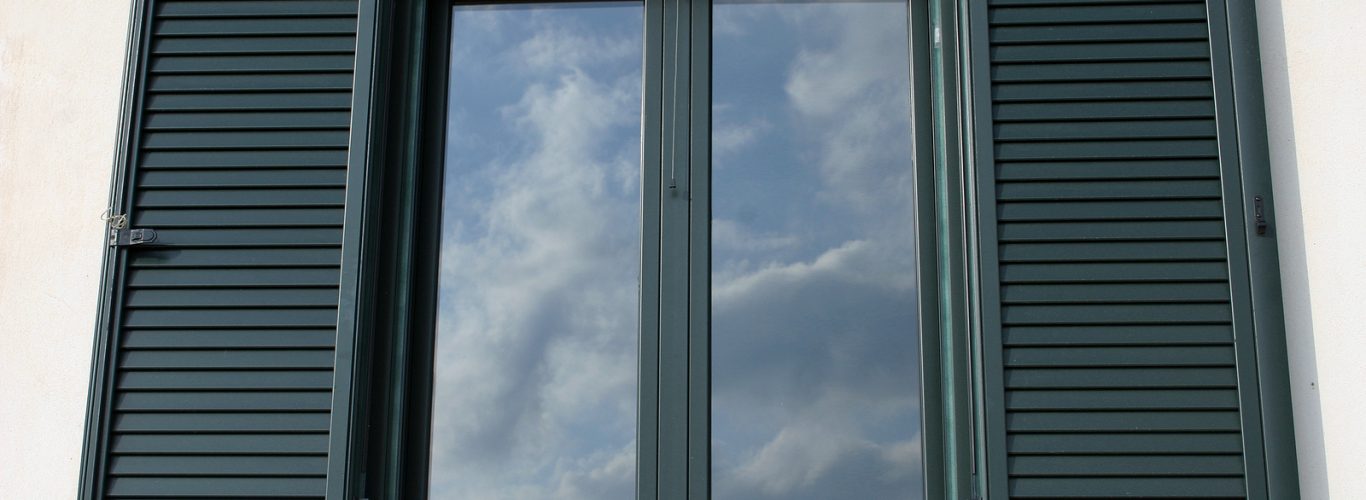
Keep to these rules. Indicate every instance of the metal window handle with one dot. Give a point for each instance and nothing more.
(1259, 213)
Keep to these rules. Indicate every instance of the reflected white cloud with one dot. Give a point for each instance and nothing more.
(536, 348)
(814, 283)
(815, 373)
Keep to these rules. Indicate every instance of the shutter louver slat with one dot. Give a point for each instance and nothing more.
(221, 384)
(1118, 369)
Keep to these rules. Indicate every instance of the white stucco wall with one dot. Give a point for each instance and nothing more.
(60, 71)
(61, 63)
(1314, 66)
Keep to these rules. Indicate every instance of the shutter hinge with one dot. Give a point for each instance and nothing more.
(938, 37)
(1259, 213)
(120, 235)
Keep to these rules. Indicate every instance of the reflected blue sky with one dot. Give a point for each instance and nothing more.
(815, 368)
(537, 328)
(813, 280)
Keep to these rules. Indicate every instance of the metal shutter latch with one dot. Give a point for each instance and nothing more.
(120, 235)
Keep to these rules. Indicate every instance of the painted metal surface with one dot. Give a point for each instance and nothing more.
(216, 370)
(1120, 355)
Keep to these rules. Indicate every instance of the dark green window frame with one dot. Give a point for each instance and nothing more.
(379, 440)
(382, 405)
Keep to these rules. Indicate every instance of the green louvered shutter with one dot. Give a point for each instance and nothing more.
(216, 371)
(1118, 354)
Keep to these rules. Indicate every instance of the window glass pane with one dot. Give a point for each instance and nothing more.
(535, 383)
(815, 363)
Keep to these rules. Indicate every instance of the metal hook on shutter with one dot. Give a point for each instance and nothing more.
(113, 220)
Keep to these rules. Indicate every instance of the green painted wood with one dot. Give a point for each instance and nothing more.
(1127, 443)
(1192, 487)
(1100, 150)
(237, 401)
(1122, 421)
(1128, 251)
(1130, 466)
(282, 101)
(201, 466)
(239, 217)
(1128, 32)
(1112, 130)
(1101, 91)
(220, 444)
(259, 45)
(256, 338)
(248, 120)
(1119, 357)
(322, 158)
(1156, 356)
(311, 26)
(237, 140)
(234, 278)
(1106, 190)
(1009, 3)
(1102, 14)
(232, 299)
(1111, 230)
(255, 8)
(241, 198)
(206, 64)
(249, 83)
(1129, 293)
(235, 487)
(1090, 401)
(1077, 211)
(220, 347)
(1118, 109)
(1099, 52)
(1109, 377)
(1114, 272)
(223, 359)
(237, 257)
(1117, 335)
(218, 380)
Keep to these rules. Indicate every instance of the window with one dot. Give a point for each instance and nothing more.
(469, 266)
(538, 313)
(726, 304)
(814, 360)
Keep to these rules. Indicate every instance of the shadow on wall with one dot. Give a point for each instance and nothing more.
(1290, 236)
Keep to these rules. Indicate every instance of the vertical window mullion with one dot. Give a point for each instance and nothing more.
(674, 191)
(699, 340)
(648, 399)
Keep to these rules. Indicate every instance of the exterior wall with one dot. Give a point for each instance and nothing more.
(60, 79)
(1312, 65)
(61, 66)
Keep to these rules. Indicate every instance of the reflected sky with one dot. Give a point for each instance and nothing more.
(815, 368)
(535, 386)
(815, 365)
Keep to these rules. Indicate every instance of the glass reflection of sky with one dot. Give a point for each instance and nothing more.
(815, 368)
(537, 328)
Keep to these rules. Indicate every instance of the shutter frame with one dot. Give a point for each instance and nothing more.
(214, 345)
(1253, 277)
